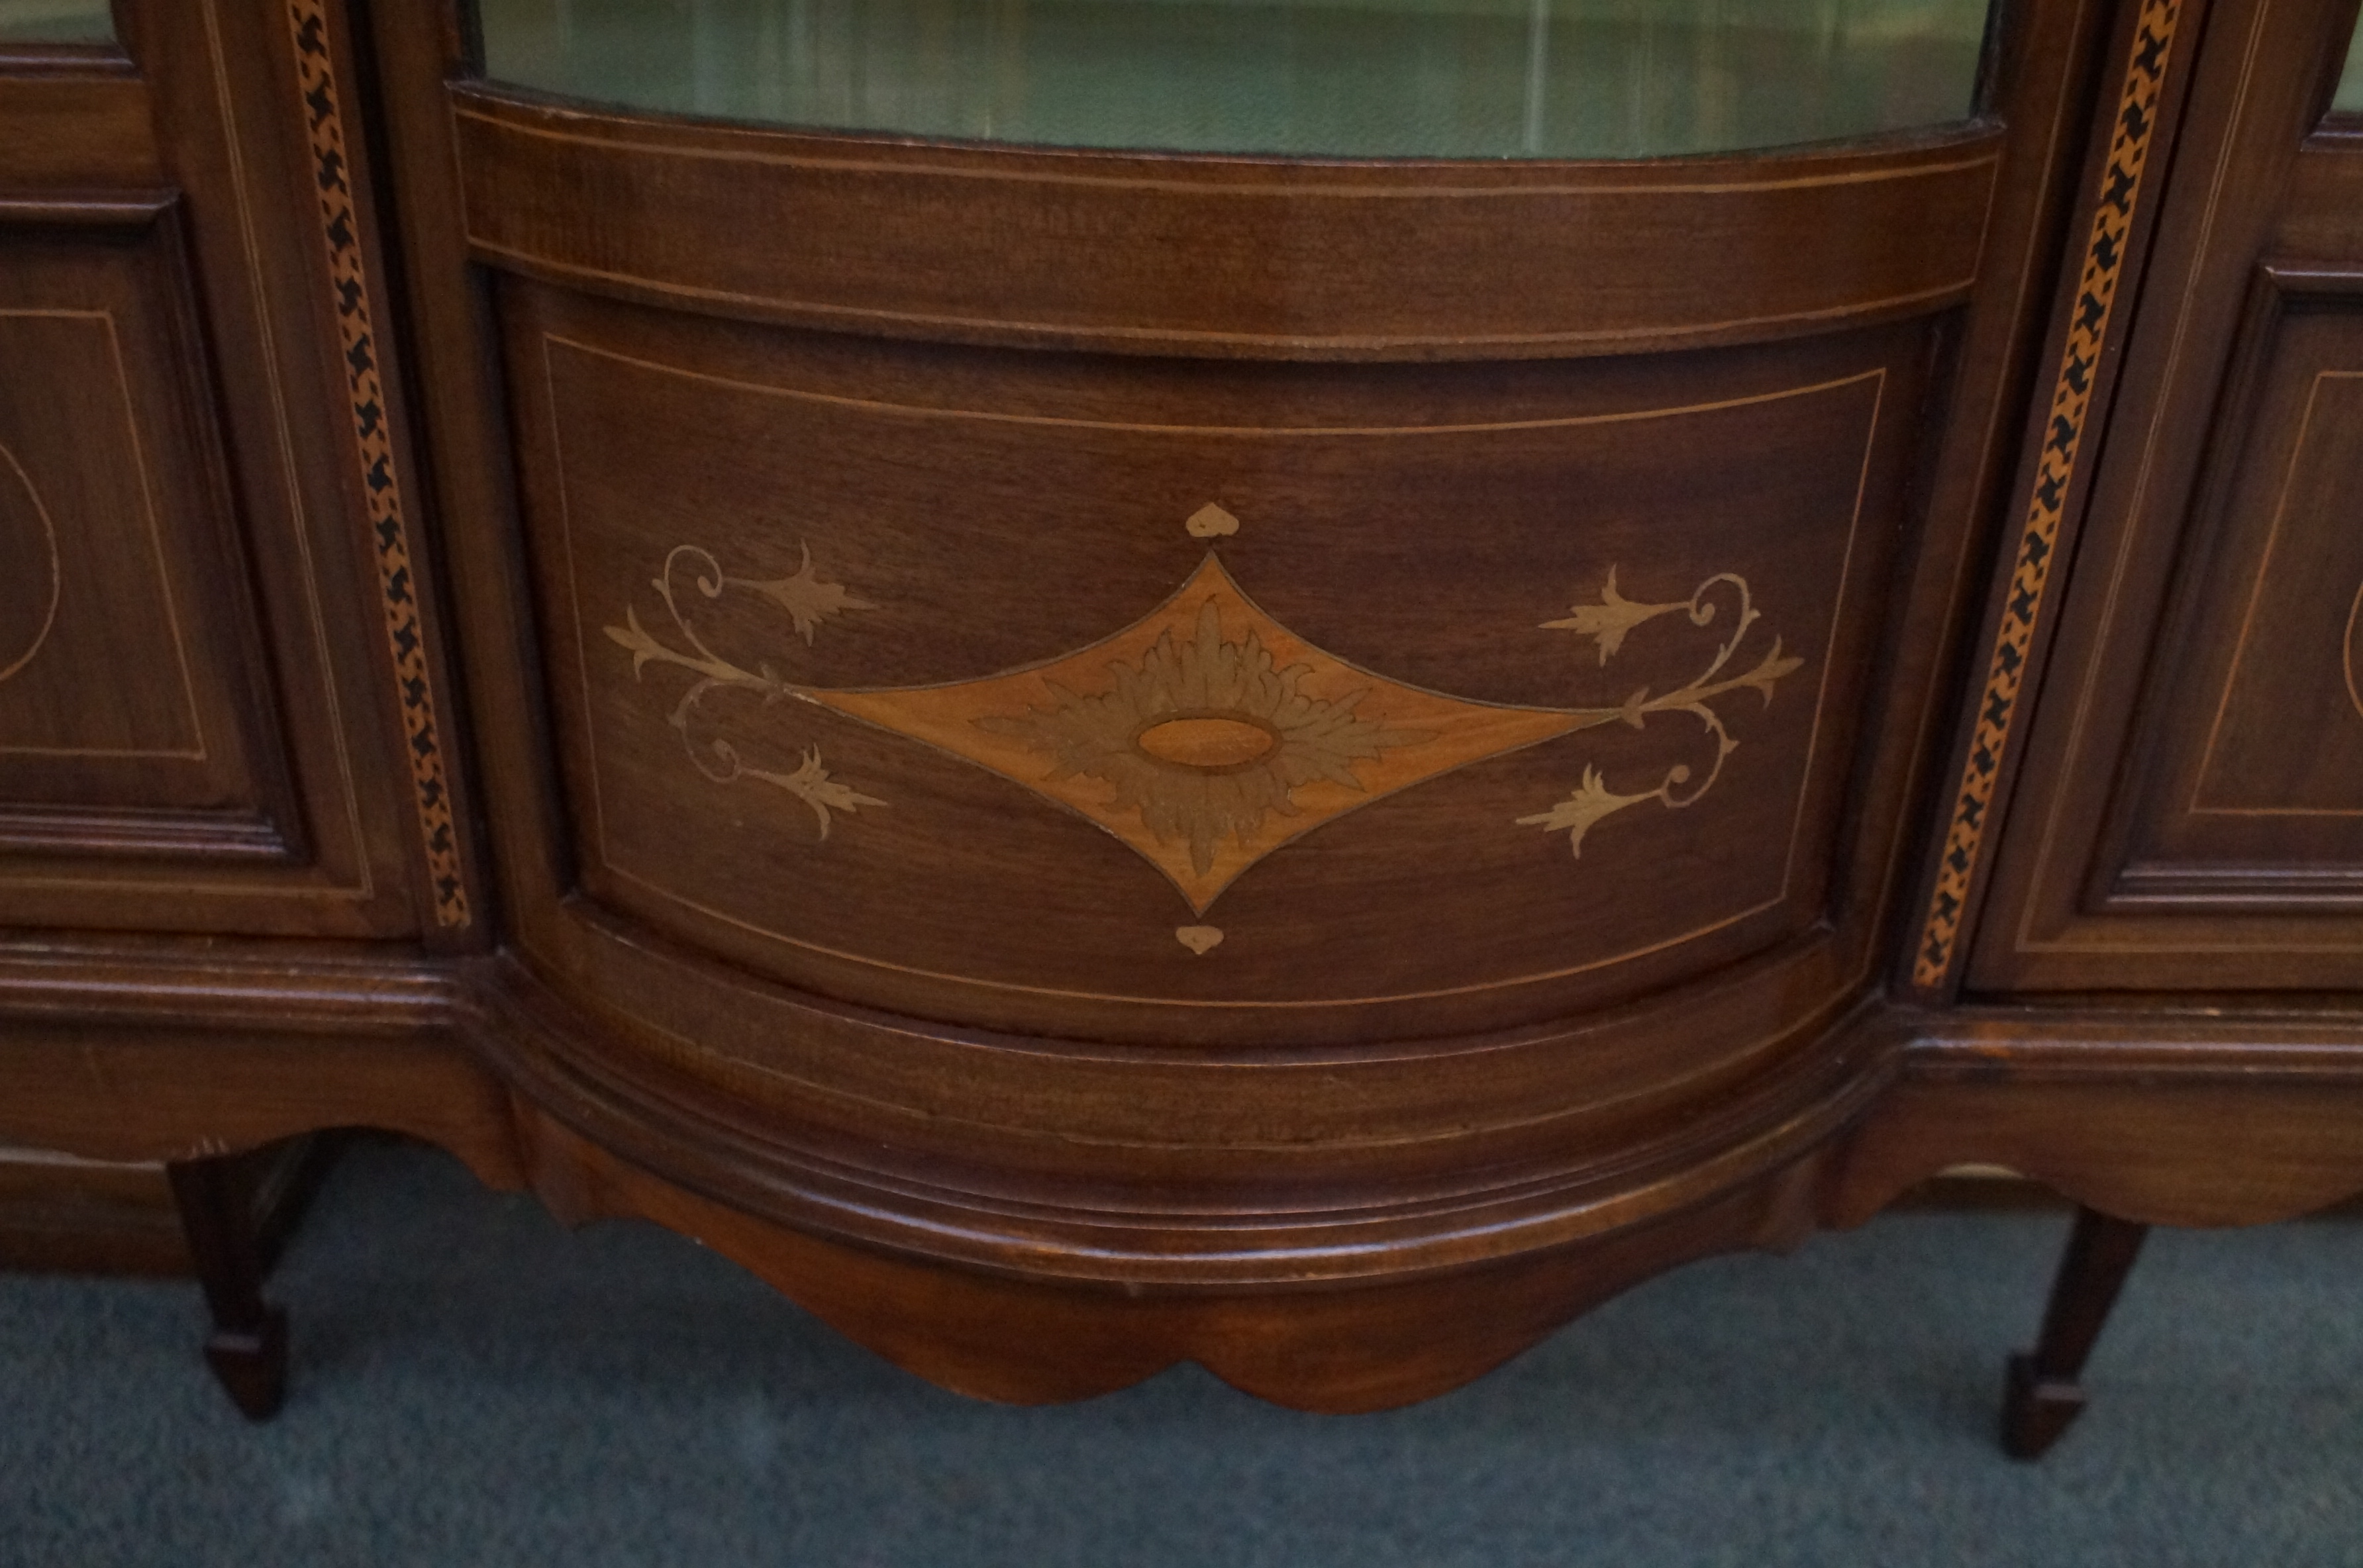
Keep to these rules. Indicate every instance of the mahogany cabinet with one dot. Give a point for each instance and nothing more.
(1294, 687)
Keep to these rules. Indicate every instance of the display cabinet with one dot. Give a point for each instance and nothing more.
(1131, 681)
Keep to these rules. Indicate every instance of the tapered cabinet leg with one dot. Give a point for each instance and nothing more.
(2042, 1395)
(248, 1347)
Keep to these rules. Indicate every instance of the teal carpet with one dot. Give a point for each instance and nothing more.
(475, 1386)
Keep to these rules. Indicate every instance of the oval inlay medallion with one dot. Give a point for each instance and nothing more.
(1210, 742)
(28, 602)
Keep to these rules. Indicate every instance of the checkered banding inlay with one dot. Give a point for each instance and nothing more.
(380, 483)
(2063, 439)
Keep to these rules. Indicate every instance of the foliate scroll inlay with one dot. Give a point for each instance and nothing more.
(1607, 623)
(1206, 734)
(808, 600)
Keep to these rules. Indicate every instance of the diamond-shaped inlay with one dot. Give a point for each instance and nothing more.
(1206, 734)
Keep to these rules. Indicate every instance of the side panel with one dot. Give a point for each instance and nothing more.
(218, 679)
(2259, 796)
(132, 718)
(2189, 817)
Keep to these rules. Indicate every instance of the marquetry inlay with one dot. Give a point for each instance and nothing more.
(1199, 939)
(1607, 622)
(379, 472)
(1206, 734)
(808, 600)
(2107, 246)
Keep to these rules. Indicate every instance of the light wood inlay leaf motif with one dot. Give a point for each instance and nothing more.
(807, 599)
(1199, 939)
(1592, 799)
(808, 602)
(1607, 622)
(1210, 522)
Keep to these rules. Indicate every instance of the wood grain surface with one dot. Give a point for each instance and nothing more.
(1088, 761)
(1206, 254)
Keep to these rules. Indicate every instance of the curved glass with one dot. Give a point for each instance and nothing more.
(56, 21)
(2348, 99)
(1348, 78)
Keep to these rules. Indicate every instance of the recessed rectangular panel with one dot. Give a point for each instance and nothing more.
(129, 717)
(2281, 741)
(97, 593)
(2257, 792)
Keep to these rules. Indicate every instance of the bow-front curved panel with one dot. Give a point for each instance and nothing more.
(1265, 706)
(1211, 722)
(1225, 255)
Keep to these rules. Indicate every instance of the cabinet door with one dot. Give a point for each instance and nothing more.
(1198, 615)
(2190, 816)
(217, 708)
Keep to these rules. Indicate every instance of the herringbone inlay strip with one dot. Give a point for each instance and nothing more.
(2063, 440)
(380, 483)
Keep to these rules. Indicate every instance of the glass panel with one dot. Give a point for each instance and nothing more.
(56, 21)
(2349, 96)
(1368, 78)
